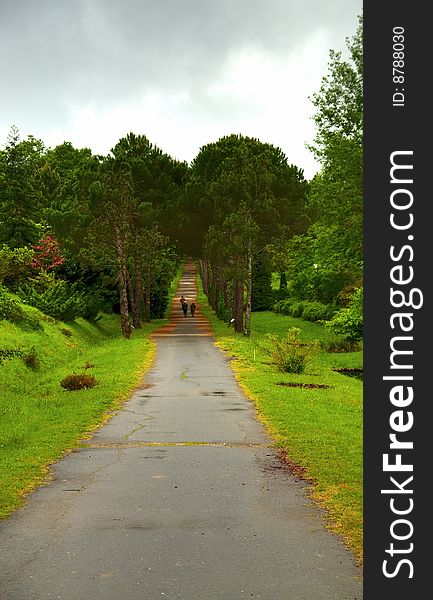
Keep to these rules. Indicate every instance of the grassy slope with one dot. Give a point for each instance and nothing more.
(320, 429)
(39, 420)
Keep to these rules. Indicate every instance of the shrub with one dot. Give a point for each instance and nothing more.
(279, 295)
(297, 308)
(316, 311)
(281, 306)
(54, 297)
(6, 353)
(67, 332)
(78, 381)
(31, 360)
(14, 264)
(289, 354)
(348, 322)
(290, 307)
(339, 344)
(11, 310)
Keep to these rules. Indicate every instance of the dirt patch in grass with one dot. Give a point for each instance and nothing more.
(304, 385)
(350, 372)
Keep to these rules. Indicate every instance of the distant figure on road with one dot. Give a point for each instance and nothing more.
(184, 308)
(192, 308)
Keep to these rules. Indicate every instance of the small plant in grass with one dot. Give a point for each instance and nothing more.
(78, 381)
(289, 354)
(66, 332)
(339, 344)
(31, 360)
(89, 365)
(6, 353)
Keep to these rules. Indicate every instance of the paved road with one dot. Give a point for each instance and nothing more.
(179, 497)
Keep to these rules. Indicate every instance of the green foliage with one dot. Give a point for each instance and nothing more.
(328, 257)
(348, 322)
(290, 307)
(31, 359)
(20, 198)
(78, 381)
(261, 285)
(321, 263)
(289, 354)
(339, 102)
(310, 311)
(340, 344)
(316, 311)
(53, 297)
(12, 310)
(6, 353)
(222, 311)
(14, 263)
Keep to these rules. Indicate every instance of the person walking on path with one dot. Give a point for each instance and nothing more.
(184, 308)
(192, 308)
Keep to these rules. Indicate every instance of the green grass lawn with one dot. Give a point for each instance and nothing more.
(39, 420)
(319, 429)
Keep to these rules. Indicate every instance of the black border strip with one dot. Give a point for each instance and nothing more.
(400, 123)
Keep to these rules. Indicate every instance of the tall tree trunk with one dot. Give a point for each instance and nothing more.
(238, 308)
(211, 289)
(138, 293)
(219, 292)
(132, 300)
(123, 282)
(147, 295)
(124, 313)
(247, 329)
(203, 272)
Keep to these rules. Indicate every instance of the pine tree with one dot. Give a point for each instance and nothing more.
(262, 286)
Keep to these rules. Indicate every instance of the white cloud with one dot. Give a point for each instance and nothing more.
(258, 94)
(183, 74)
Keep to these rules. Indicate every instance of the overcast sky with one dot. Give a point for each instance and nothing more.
(182, 72)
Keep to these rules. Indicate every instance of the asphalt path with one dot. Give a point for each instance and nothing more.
(181, 496)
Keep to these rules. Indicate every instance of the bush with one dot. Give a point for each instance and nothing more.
(290, 307)
(347, 323)
(339, 344)
(78, 381)
(54, 297)
(310, 311)
(289, 354)
(31, 360)
(10, 308)
(12, 311)
(6, 353)
(14, 264)
(316, 311)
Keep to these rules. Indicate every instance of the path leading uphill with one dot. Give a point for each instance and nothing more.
(179, 497)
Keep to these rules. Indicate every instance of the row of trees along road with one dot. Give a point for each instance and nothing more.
(115, 225)
(108, 215)
(248, 195)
